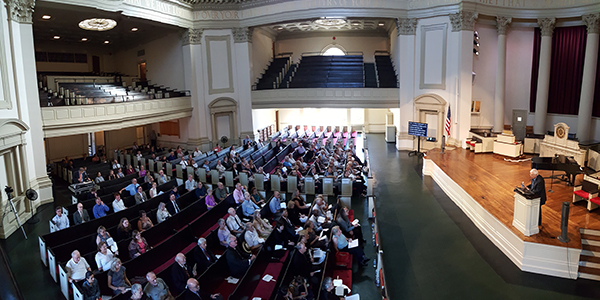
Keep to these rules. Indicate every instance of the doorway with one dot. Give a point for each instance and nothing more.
(142, 71)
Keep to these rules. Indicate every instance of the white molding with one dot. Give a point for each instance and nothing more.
(424, 30)
(70, 120)
(5, 102)
(530, 257)
(326, 97)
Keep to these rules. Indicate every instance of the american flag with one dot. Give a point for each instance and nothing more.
(448, 119)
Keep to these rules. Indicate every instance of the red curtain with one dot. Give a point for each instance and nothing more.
(535, 67)
(566, 70)
(596, 110)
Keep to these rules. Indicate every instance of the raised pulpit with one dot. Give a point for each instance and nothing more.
(560, 144)
(527, 212)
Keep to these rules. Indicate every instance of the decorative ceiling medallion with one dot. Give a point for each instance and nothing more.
(98, 24)
(330, 22)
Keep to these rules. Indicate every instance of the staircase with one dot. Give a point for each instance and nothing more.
(370, 77)
(589, 260)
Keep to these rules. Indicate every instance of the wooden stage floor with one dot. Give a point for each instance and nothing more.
(490, 180)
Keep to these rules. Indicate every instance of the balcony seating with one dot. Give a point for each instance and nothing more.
(329, 72)
(271, 74)
(385, 72)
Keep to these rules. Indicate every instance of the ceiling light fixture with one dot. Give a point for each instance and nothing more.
(98, 24)
(106, 42)
(46, 17)
(134, 29)
(84, 39)
(56, 37)
(381, 24)
(331, 21)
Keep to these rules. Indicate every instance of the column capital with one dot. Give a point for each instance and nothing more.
(192, 36)
(592, 22)
(406, 26)
(547, 26)
(502, 23)
(242, 35)
(463, 20)
(20, 11)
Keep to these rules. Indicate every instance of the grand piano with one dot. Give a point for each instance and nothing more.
(558, 163)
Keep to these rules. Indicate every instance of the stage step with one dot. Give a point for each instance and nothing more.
(589, 260)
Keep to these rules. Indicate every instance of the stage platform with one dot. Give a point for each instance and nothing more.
(482, 186)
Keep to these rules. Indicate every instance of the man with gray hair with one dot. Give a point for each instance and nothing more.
(77, 266)
(156, 288)
(538, 187)
(136, 291)
(193, 292)
(203, 256)
(328, 290)
(180, 272)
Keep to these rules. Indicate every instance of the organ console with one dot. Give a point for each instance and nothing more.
(560, 144)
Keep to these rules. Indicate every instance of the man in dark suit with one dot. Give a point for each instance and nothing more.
(193, 292)
(289, 226)
(81, 215)
(173, 205)
(538, 187)
(180, 273)
(140, 196)
(203, 256)
(237, 261)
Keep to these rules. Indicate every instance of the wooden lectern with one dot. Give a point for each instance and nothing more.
(526, 215)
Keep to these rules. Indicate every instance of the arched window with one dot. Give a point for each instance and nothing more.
(332, 50)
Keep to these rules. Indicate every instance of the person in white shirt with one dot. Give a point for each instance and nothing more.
(183, 163)
(104, 257)
(197, 152)
(77, 266)
(61, 221)
(220, 168)
(252, 238)
(116, 165)
(162, 213)
(118, 204)
(153, 192)
(233, 222)
(190, 184)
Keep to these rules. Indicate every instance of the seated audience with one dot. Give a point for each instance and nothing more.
(129, 170)
(200, 191)
(115, 164)
(238, 261)
(81, 215)
(173, 205)
(156, 288)
(99, 178)
(340, 243)
(180, 273)
(162, 213)
(117, 278)
(233, 222)
(256, 197)
(209, 200)
(263, 228)
(190, 184)
(220, 192)
(162, 178)
(131, 188)
(300, 204)
(136, 292)
(123, 229)
(104, 258)
(142, 173)
(120, 173)
(153, 191)
(77, 267)
(59, 220)
(144, 223)
(203, 257)
(275, 203)
(111, 175)
(140, 196)
(347, 227)
(223, 233)
(175, 191)
(91, 289)
(252, 239)
(118, 204)
(238, 194)
(248, 206)
(138, 245)
(193, 292)
(102, 236)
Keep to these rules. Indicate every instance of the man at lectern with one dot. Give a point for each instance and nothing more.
(538, 187)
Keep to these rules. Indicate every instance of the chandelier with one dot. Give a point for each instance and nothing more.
(98, 24)
(330, 22)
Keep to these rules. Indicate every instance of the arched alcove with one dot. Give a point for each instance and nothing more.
(334, 50)
(223, 117)
(430, 109)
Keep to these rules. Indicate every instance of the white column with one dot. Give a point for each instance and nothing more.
(464, 24)
(405, 66)
(194, 82)
(586, 102)
(543, 84)
(242, 38)
(502, 25)
(26, 86)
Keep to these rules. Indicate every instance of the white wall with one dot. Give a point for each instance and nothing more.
(262, 118)
(119, 138)
(163, 57)
(484, 65)
(519, 55)
(367, 45)
(373, 119)
(262, 53)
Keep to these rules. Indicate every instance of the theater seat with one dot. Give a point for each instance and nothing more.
(586, 191)
(343, 260)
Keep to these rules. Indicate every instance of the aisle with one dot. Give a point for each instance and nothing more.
(433, 251)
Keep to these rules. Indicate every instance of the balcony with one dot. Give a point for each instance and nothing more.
(326, 98)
